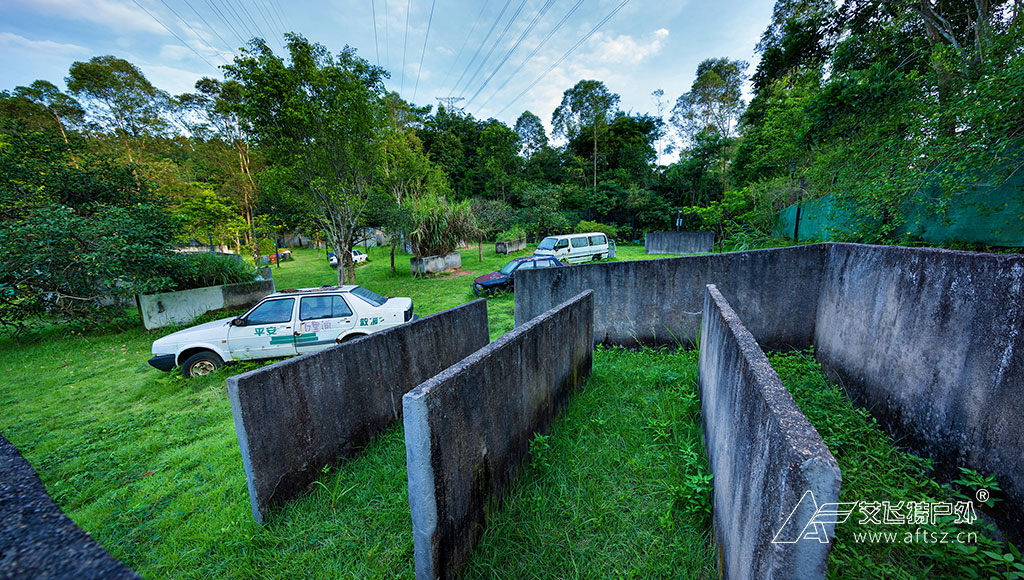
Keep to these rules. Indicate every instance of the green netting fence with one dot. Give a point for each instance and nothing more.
(986, 213)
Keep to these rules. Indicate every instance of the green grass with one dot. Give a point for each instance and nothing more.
(875, 468)
(148, 462)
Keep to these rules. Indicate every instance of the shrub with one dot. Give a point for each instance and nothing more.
(199, 270)
(585, 227)
(439, 226)
(513, 233)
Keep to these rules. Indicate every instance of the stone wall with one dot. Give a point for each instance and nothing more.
(184, 306)
(434, 264)
(294, 417)
(468, 429)
(509, 246)
(679, 242)
(36, 539)
(764, 455)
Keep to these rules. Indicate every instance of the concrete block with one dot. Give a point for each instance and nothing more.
(679, 242)
(468, 429)
(654, 302)
(435, 264)
(510, 246)
(37, 540)
(294, 417)
(184, 306)
(764, 454)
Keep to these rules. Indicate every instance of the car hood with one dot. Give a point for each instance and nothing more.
(215, 329)
(490, 277)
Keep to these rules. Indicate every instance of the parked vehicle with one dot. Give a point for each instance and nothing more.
(574, 248)
(357, 258)
(282, 324)
(504, 279)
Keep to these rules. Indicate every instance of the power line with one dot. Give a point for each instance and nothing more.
(387, 40)
(207, 23)
(270, 27)
(405, 44)
(482, 43)
(182, 41)
(422, 54)
(226, 22)
(178, 16)
(241, 23)
(495, 45)
(252, 21)
(530, 56)
(464, 43)
(376, 45)
(544, 9)
(566, 55)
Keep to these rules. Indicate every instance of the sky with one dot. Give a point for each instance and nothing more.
(502, 56)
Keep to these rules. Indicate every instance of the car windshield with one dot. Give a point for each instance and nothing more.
(369, 296)
(547, 244)
(507, 268)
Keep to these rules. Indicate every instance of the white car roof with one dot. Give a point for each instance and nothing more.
(294, 291)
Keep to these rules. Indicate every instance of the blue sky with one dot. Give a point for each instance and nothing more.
(646, 45)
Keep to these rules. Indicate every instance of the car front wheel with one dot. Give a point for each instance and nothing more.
(200, 364)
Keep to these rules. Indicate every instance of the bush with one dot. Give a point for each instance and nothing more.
(513, 233)
(585, 227)
(200, 270)
(439, 226)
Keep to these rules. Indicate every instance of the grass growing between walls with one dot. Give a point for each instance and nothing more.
(876, 469)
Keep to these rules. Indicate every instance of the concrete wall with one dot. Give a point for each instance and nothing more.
(182, 307)
(679, 242)
(659, 301)
(294, 417)
(434, 264)
(36, 539)
(932, 342)
(468, 429)
(764, 455)
(510, 247)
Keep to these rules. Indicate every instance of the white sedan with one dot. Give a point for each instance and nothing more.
(282, 324)
(357, 257)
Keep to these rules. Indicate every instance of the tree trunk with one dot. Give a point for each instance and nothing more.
(392, 257)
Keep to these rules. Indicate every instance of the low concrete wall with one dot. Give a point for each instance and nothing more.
(764, 455)
(294, 417)
(36, 539)
(434, 264)
(510, 247)
(182, 307)
(932, 343)
(679, 242)
(468, 429)
(659, 301)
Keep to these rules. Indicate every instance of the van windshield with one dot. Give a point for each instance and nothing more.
(547, 244)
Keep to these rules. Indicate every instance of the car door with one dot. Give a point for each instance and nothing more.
(267, 332)
(322, 319)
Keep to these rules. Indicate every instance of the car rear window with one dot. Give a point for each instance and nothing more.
(369, 296)
(318, 307)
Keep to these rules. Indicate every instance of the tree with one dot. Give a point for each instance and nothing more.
(588, 105)
(64, 109)
(715, 100)
(532, 136)
(320, 116)
(120, 97)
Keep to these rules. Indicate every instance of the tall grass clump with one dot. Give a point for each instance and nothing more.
(439, 225)
(188, 271)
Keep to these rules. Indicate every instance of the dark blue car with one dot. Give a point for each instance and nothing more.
(504, 279)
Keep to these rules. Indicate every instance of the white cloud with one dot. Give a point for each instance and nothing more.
(13, 41)
(120, 16)
(624, 49)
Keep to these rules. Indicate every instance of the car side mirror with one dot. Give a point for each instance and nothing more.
(239, 322)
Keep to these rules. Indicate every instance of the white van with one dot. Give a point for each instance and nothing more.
(574, 248)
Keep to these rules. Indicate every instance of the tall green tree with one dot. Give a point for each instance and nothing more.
(714, 101)
(532, 135)
(65, 110)
(320, 115)
(587, 106)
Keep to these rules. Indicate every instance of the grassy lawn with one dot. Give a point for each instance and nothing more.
(148, 462)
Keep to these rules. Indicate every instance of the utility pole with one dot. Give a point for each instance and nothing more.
(449, 102)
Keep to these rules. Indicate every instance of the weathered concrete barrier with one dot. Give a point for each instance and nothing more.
(932, 343)
(294, 417)
(36, 539)
(659, 301)
(468, 429)
(765, 456)
(679, 242)
(509, 246)
(183, 306)
(434, 264)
